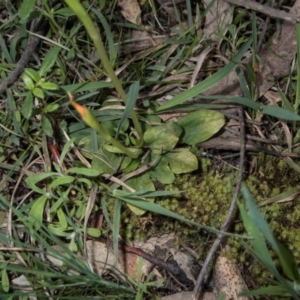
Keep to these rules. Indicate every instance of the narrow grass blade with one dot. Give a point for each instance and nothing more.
(116, 228)
(257, 223)
(238, 100)
(260, 248)
(131, 100)
(5, 50)
(150, 206)
(273, 290)
(207, 83)
(279, 113)
(113, 53)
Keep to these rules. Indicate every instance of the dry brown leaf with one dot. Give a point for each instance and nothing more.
(131, 11)
(277, 55)
(276, 58)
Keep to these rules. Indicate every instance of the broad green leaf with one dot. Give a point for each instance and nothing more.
(46, 126)
(106, 162)
(200, 125)
(111, 125)
(130, 103)
(38, 93)
(27, 105)
(33, 74)
(162, 172)
(5, 281)
(37, 211)
(66, 12)
(181, 161)
(27, 81)
(125, 163)
(73, 246)
(63, 180)
(33, 179)
(163, 137)
(71, 54)
(94, 232)
(86, 182)
(134, 164)
(62, 219)
(209, 82)
(51, 107)
(139, 183)
(25, 10)
(84, 171)
(47, 85)
(49, 61)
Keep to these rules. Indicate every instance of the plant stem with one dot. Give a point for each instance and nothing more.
(94, 34)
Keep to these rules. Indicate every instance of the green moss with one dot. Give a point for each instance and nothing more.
(205, 199)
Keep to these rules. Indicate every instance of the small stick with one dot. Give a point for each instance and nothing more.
(230, 214)
(31, 46)
(267, 10)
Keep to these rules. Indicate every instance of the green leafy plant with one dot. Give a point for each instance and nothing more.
(37, 84)
(163, 144)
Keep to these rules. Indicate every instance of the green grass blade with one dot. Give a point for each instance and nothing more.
(208, 82)
(260, 248)
(150, 206)
(235, 99)
(116, 229)
(111, 47)
(243, 83)
(257, 223)
(279, 112)
(5, 50)
(274, 290)
(131, 100)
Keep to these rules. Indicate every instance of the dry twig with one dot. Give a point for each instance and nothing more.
(31, 46)
(232, 209)
(267, 10)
